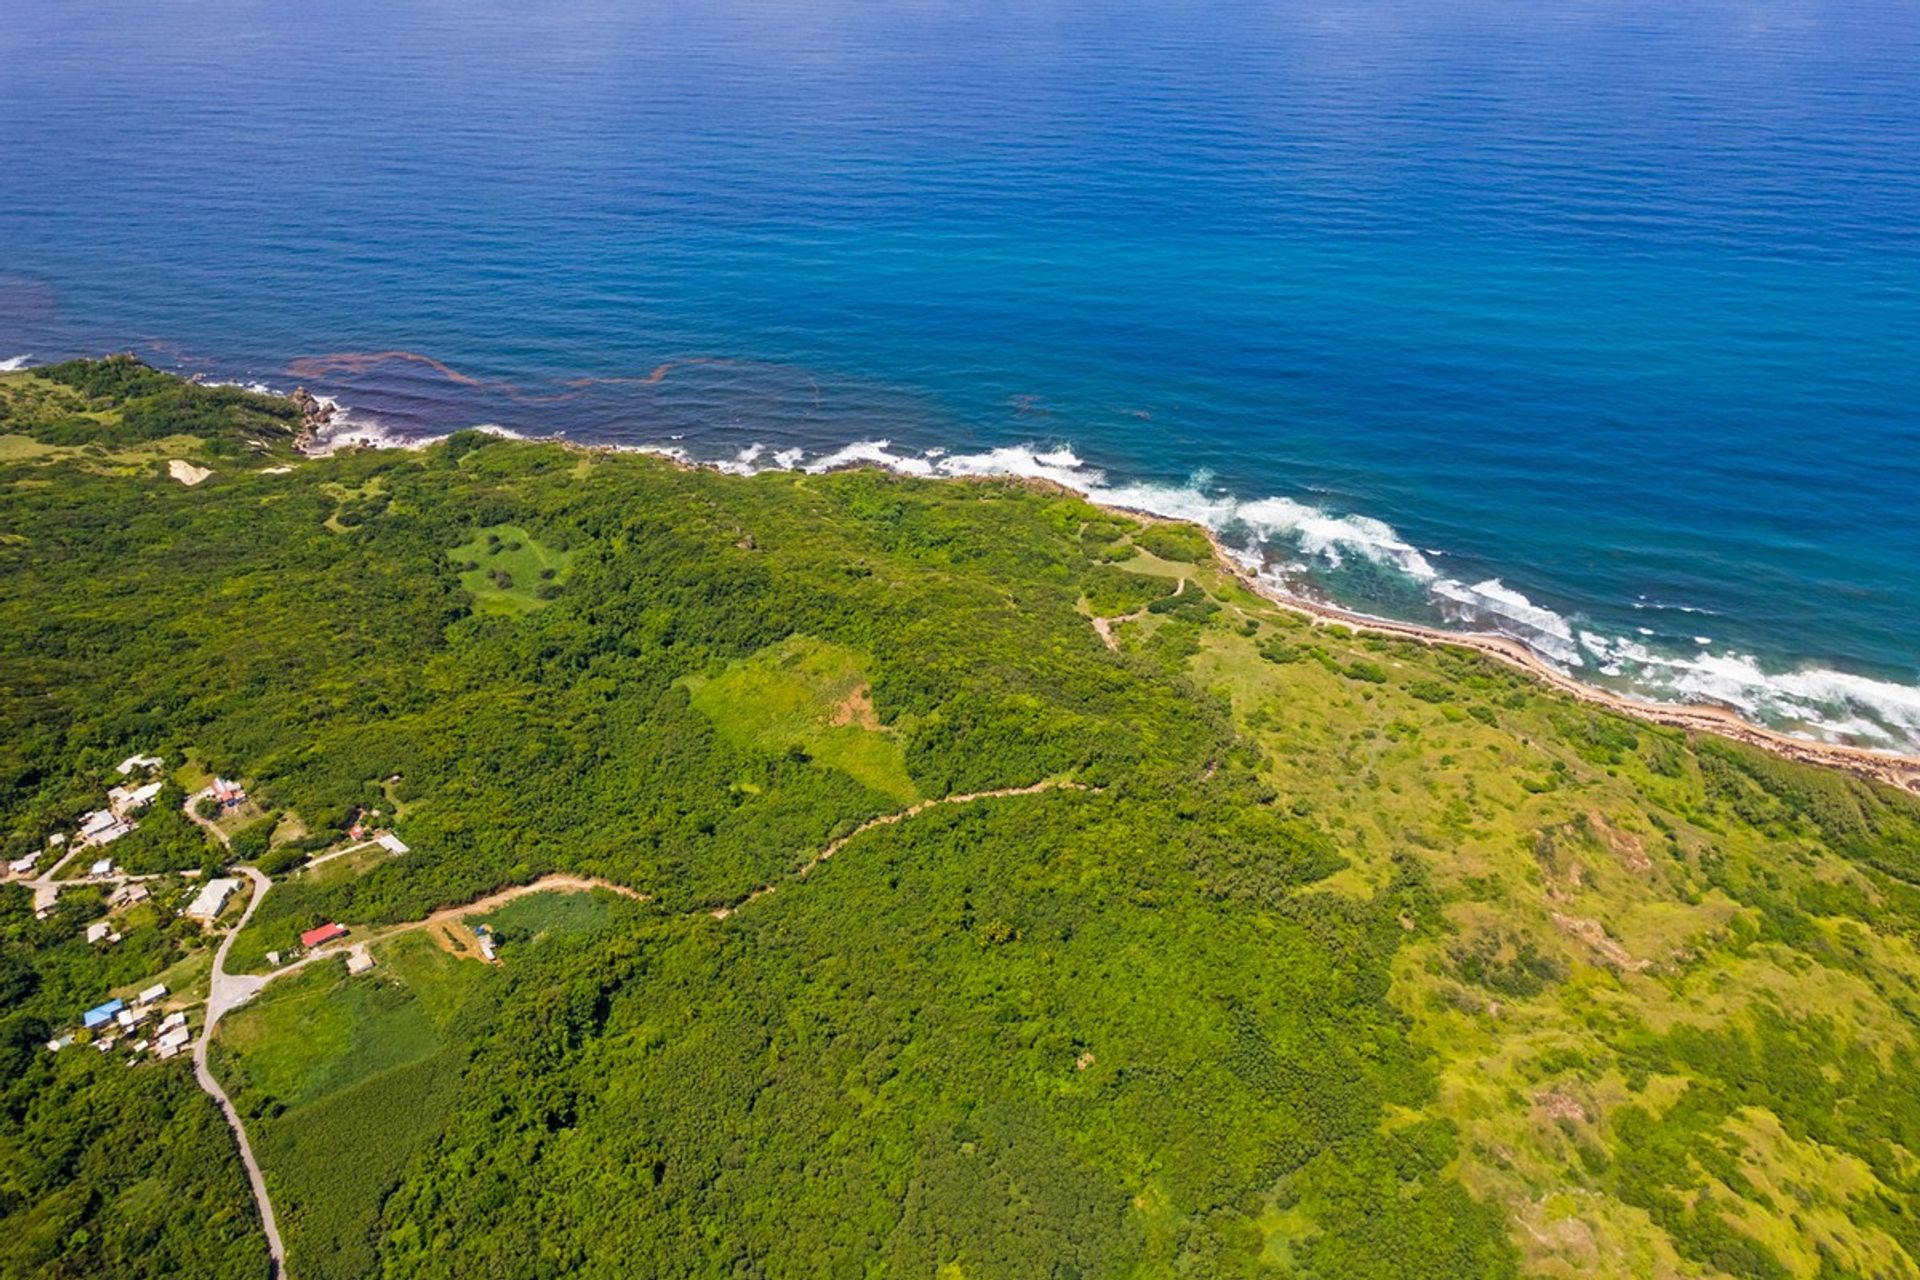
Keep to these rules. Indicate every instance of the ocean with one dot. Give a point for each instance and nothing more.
(1595, 323)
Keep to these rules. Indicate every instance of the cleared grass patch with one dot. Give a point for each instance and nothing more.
(511, 572)
(808, 695)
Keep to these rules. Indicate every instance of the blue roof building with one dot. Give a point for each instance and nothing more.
(101, 1013)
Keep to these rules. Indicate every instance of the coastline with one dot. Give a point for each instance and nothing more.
(1895, 770)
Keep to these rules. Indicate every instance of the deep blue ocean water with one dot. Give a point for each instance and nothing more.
(1594, 322)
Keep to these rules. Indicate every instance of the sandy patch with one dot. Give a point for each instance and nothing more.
(186, 473)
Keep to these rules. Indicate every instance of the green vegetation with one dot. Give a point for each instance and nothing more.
(1346, 957)
(105, 1170)
(508, 570)
(1182, 542)
(342, 1079)
(811, 700)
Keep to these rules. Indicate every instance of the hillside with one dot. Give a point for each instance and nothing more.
(1211, 942)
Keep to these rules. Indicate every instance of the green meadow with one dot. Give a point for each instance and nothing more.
(809, 697)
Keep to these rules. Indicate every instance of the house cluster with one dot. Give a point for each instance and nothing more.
(120, 1023)
(227, 794)
(104, 826)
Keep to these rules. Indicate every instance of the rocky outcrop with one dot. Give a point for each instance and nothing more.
(315, 414)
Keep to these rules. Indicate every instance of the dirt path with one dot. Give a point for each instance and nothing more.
(225, 992)
(1104, 626)
(228, 991)
(888, 819)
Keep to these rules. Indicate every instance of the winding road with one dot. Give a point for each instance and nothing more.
(225, 991)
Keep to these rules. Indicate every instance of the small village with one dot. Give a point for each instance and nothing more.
(157, 1023)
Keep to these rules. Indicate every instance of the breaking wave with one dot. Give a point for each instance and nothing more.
(14, 364)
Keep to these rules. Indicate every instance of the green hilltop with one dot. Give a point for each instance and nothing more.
(1164, 932)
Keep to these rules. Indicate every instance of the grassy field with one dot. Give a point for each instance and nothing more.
(530, 920)
(510, 569)
(808, 695)
(341, 1077)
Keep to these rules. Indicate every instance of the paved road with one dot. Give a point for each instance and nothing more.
(225, 991)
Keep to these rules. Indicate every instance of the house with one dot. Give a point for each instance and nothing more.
(102, 931)
(229, 794)
(391, 843)
(213, 895)
(358, 961)
(125, 800)
(101, 1013)
(157, 991)
(324, 934)
(128, 894)
(104, 867)
(172, 1020)
(103, 826)
(273, 958)
(131, 1018)
(22, 866)
(127, 766)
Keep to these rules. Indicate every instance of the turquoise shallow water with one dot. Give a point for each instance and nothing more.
(1593, 323)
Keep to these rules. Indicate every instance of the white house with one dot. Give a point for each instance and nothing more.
(213, 895)
(127, 766)
(391, 843)
(125, 800)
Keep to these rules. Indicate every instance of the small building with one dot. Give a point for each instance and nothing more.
(324, 934)
(92, 824)
(392, 844)
(273, 958)
(158, 991)
(484, 936)
(102, 931)
(101, 1014)
(22, 866)
(56, 841)
(212, 897)
(125, 800)
(126, 767)
(103, 867)
(172, 1020)
(58, 1043)
(131, 1018)
(359, 960)
(128, 894)
(227, 794)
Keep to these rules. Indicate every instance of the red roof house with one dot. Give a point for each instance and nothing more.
(325, 933)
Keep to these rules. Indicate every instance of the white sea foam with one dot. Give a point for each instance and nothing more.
(875, 452)
(1506, 610)
(14, 364)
